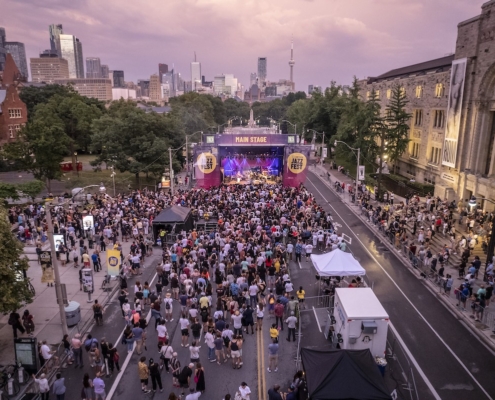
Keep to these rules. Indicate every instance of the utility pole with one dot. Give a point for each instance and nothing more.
(187, 148)
(171, 172)
(58, 288)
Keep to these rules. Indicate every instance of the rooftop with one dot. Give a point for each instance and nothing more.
(437, 65)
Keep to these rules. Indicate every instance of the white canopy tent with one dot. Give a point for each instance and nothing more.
(337, 263)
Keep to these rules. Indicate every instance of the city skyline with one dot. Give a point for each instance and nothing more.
(333, 41)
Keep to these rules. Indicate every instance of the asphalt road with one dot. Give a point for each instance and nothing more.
(455, 364)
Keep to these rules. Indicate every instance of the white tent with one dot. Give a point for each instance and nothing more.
(337, 263)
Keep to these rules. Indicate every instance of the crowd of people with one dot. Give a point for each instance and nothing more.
(224, 283)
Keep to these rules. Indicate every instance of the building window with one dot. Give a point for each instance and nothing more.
(439, 90)
(377, 94)
(389, 93)
(418, 117)
(15, 113)
(11, 131)
(419, 91)
(368, 95)
(414, 153)
(435, 155)
(403, 91)
(438, 119)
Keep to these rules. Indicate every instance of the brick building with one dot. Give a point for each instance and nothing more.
(13, 112)
(453, 104)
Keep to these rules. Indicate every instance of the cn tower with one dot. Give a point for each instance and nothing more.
(291, 64)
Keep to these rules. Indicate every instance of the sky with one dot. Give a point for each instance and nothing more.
(334, 40)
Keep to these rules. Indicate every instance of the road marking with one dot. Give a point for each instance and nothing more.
(317, 320)
(258, 344)
(407, 299)
(413, 360)
(300, 266)
(129, 355)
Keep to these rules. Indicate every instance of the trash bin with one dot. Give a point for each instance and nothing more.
(73, 313)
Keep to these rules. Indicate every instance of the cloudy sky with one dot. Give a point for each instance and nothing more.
(333, 39)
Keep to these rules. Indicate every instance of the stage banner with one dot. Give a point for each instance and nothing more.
(206, 167)
(46, 267)
(254, 139)
(296, 163)
(454, 108)
(113, 262)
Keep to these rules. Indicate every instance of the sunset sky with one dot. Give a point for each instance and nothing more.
(333, 39)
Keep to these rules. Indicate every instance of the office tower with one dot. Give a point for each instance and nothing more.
(118, 79)
(155, 88)
(195, 75)
(3, 52)
(253, 79)
(225, 84)
(291, 65)
(162, 69)
(93, 68)
(55, 32)
(19, 55)
(71, 50)
(144, 85)
(98, 88)
(104, 71)
(262, 71)
(48, 67)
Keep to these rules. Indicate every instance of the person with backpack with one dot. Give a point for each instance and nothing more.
(90, 343)
(271, 300)
(168, 301)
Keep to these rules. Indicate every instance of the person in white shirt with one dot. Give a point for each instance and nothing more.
(210, 342)
(309, 250)
(166, 354)
(162, 332)
(289, 287)
(169, 305)
(253, 294)
(244, 391)
(193, 395)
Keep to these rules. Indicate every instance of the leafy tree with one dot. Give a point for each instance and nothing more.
(397, 124)
(33, 95)
(299, 113)
(134, 140)
(14, 289)
(8, 191)
(40, 148)
(31, 188)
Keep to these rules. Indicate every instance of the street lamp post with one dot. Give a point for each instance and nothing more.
(357, 169)
(172, 177)
(294, 125)
(322, 138)
(187, 148)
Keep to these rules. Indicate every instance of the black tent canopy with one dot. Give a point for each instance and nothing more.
(180, 217)
(343, 375)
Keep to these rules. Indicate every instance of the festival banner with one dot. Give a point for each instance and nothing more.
(296, 165)
(206, 167)
(453, 123)
(254, 139)
(113, 262)
(46, 267)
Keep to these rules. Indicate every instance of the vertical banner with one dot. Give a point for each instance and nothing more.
(457, 76)
(46, 267)
(88, 222)
(361, 173)
(113, 262)
(324, 152)
(295, 165)
(206, 167)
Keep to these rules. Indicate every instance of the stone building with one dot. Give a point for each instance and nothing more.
(13, 111)
(99, 88)
(47, 69)
(453, 125)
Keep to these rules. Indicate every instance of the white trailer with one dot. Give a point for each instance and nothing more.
(361, 322)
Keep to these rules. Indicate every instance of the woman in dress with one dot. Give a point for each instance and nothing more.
(87, 391)
(199, 378)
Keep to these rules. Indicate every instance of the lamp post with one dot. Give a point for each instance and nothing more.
(322, 138)
(77, 169)
(187, 148)
(358, 157)
(219, 126)
(294, 125)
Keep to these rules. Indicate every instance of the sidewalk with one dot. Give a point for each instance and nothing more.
(484, 330)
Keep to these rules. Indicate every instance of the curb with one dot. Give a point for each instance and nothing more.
(432, 288)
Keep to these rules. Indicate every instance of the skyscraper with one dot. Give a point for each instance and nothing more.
(19, 55)
(118, 79)
(55, 31)
(155, 88)
(3, 52)
(291, 65)
(93, 68)
(104, 71)
(262, 71)
(162, 69)
(195, 75)
(71, 50)
(253, 79)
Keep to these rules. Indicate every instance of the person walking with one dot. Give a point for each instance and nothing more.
(244, 392)
(113, 358)
(166, 354)
(199, 378)
(184, 330)
(274, 393)
(15, 322)
(210, 343)
(273, 356)
(175, 368)
(77, 350)
(185, 377)
(279, 314)
(291, 324)
(143, 373)
(28, 322)
(137, 333)
(156, 379)
(58, 387)
(87, 391)
(99, 387)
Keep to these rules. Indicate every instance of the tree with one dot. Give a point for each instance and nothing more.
(13, 191)
(397, 124)
(14, 288)
(34, 95)
(40, 148)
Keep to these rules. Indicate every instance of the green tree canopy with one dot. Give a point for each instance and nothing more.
(14, 289)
